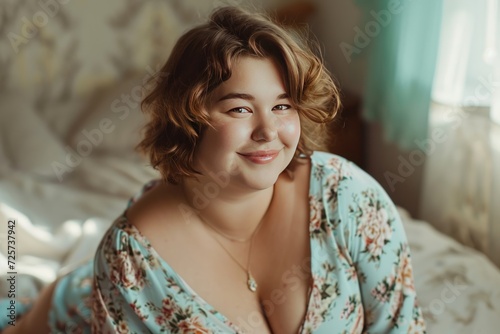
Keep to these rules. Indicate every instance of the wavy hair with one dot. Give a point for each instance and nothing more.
(203, 58)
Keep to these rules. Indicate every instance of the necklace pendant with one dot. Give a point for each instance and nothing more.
(252, 284)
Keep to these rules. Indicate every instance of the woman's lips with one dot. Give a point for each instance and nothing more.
(260, 157)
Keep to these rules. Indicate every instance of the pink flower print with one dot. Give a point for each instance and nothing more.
(374, 229)
(316, 210)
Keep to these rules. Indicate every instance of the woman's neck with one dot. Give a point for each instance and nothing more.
(233, 213)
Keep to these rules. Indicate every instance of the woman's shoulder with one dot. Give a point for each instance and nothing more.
(327, 165)
(145, 208)
(120, 237)
(154, 223)
(343, 181)
(152, 184)
(354, 202)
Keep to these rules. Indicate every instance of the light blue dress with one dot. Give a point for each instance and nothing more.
(360, 262)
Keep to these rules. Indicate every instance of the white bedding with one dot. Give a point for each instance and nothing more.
(458, 287)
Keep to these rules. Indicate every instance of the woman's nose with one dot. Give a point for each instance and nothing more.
(266, 128)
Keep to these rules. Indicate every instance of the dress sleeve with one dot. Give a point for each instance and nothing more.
(119, 280)
(378, 246)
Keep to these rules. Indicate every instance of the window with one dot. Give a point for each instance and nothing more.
(468, 66)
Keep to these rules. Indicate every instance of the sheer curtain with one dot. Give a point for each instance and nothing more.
(461, 187)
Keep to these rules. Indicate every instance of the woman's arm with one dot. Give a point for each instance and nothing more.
(36, 320)
(380, 253)
(119, 279)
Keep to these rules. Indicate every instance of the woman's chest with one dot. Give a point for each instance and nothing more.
(284, 268)
(282, 259)
(279, 263)
(279, 260)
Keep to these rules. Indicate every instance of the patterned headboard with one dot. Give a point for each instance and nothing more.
(58, 49)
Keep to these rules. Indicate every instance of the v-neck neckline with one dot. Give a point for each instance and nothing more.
(200, 300)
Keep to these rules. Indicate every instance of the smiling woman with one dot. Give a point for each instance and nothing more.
(202, 64)
(254, 126)
(251, 229)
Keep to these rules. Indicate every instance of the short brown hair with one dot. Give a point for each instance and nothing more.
(202, 59)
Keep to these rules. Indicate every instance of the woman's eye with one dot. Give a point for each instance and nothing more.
(282, 107)
(239, 110)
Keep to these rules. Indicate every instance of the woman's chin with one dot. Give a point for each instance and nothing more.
(260, 181)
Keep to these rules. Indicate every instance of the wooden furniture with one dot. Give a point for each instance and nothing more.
(294, 14)
(348, 131)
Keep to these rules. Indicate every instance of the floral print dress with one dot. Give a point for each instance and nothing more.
(360, 262)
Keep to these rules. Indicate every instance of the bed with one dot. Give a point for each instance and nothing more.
(58, 226)
(67, 164)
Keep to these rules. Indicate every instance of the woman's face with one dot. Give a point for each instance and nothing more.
(256, 129)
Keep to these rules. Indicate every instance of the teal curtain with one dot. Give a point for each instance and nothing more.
(401, 65)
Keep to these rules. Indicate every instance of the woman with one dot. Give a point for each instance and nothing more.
(249, 230)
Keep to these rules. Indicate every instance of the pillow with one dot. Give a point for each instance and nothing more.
(112, 121)
(27, 143)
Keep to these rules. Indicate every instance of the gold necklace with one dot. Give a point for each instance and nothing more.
(228, 237)
(251, 283)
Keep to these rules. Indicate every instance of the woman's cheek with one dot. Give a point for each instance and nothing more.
(231, 136)
(291, 129)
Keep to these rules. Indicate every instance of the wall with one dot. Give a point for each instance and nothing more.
(333, 23)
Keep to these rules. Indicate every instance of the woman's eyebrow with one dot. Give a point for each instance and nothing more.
(237, 96)
(248, 97)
